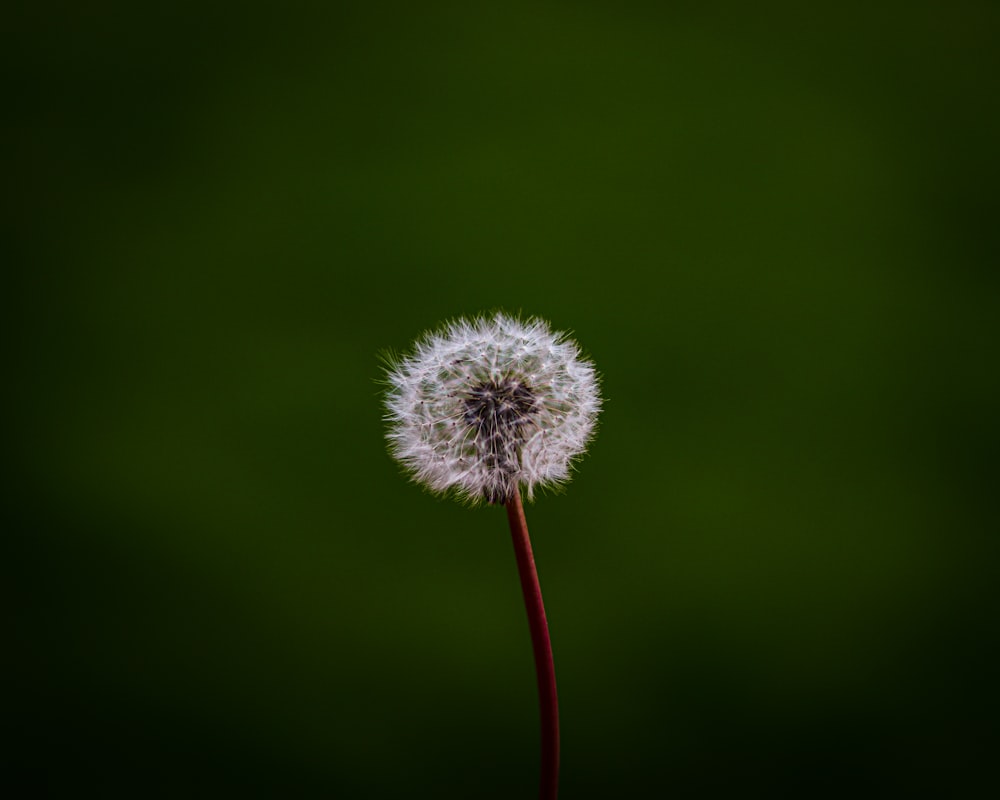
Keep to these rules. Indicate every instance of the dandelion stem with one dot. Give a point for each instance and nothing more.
(544, 667)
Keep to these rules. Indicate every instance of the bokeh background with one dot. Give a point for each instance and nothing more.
(774, 229)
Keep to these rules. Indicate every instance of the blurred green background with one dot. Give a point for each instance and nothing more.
(773, 227)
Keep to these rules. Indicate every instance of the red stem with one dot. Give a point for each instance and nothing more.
(544, 667)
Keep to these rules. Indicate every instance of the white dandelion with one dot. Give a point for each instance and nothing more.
(486, 405)
(482, 408)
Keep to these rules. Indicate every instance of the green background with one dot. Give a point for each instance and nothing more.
(773, 227)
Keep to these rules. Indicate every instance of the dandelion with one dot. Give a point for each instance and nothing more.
(480, 409)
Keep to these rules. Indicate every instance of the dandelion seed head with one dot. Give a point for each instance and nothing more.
(485, 405)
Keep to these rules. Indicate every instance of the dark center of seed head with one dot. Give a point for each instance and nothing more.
(503, 405)
(498, 410)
